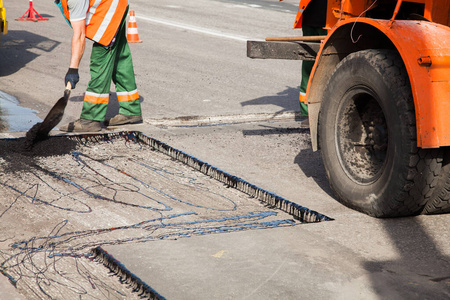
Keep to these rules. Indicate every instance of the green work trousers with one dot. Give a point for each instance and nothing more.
(111, 63)
(307, 66)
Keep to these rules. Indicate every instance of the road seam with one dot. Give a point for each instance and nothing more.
(224, 119)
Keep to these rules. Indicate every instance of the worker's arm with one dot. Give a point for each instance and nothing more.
(78, 45)
(78, 42)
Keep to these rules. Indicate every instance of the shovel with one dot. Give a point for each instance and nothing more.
(55, 115)
(40, 131)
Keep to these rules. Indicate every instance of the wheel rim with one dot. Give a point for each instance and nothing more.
(361, 135)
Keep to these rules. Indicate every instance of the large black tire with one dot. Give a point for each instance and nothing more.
(439, 202)
(367, 136)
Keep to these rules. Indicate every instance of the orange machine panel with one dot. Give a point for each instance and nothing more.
(425, 50)
(437, 11)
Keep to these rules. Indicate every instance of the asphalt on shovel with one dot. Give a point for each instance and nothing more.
(40, 130)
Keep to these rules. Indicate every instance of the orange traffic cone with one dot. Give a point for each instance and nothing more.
(132, 32)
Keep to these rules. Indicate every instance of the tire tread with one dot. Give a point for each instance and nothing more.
(423, 165)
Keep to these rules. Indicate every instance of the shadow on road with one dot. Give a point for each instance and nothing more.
(311, 165)
(309, 162)
(421, 272)
(18, 48)
(287, 100)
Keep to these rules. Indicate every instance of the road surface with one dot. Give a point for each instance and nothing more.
(192, 62)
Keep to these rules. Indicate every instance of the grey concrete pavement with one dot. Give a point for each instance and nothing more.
(352, 257)
(193, 62)
(8, 291)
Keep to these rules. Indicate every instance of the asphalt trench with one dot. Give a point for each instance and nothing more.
(73, 194)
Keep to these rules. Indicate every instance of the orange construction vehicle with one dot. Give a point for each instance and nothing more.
(379, 102)
(3, 22)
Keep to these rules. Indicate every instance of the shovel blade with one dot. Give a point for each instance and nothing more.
(55, 115)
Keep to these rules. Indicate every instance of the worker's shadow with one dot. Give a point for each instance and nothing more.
(287, 100)
(18, 49)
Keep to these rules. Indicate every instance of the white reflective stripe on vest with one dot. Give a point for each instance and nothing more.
(91, 11)
(109, 15)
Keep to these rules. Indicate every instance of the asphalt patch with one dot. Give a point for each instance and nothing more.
(68, 195)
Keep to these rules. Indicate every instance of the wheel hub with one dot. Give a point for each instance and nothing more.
(362, 136)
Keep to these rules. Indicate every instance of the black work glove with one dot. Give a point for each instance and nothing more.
(72, 77)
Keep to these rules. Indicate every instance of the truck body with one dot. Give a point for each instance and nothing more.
(378, 100)
(3, 22)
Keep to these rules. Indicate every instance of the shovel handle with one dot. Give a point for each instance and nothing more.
(67, 90)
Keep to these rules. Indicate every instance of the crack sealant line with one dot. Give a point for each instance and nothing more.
(223, 119)
(138, 286)
(197, 29)
(301, 213)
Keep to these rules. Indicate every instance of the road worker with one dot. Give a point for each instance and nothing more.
(312, 20)
(104, 22)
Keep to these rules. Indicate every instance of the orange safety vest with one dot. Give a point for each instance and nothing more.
(301, 8)
(103, 19)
